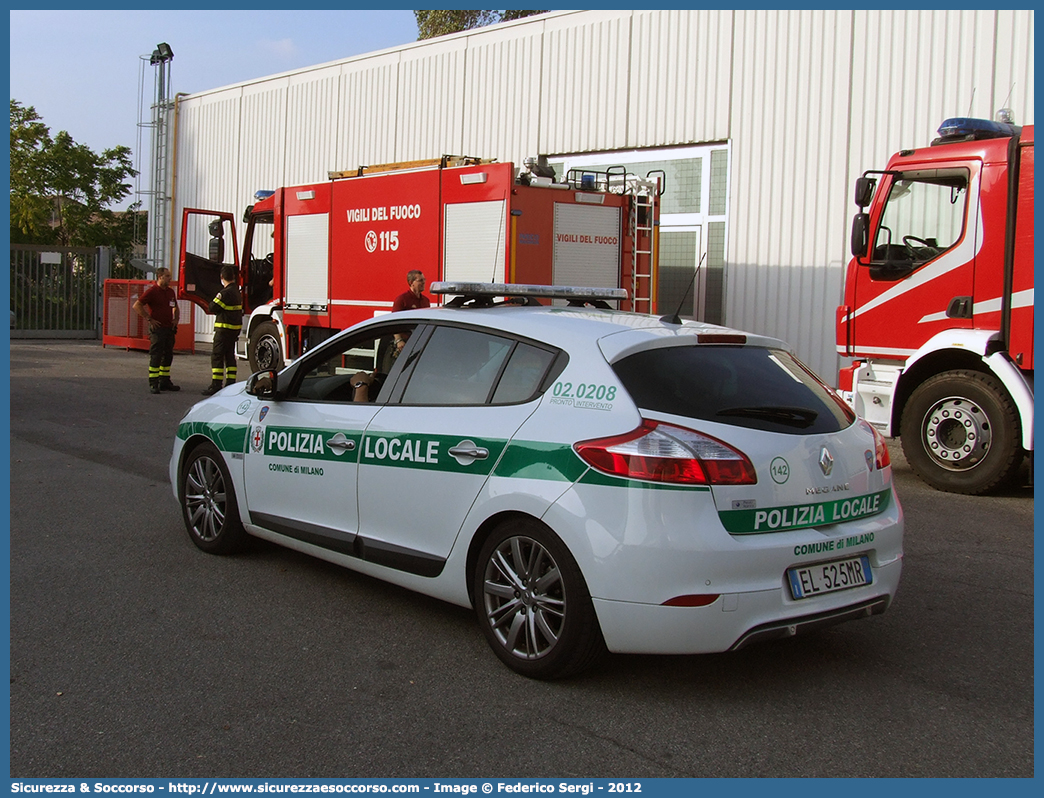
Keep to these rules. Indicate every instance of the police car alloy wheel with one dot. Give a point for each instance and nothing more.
(532, 603)
(208, 502)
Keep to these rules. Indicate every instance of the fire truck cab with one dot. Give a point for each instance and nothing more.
(319, 258)
(938, 305)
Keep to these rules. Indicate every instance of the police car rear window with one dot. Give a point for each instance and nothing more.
(758, 388)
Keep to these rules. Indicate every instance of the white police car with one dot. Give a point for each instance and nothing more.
(584, 478)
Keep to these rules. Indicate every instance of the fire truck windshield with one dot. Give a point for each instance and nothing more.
(922, 218)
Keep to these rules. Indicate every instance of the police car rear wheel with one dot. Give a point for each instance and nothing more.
(533, 605)
(208, 502)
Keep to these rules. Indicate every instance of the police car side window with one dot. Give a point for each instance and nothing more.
(523, 375)
(330, 377)
(457, 367)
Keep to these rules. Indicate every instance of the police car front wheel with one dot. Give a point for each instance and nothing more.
(208, 502)
(533, 604)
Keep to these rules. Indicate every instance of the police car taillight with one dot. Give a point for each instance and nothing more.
(881, 456)
(666, 453)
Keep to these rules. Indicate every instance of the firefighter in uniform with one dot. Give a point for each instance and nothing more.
(227, 308)
(158, 305)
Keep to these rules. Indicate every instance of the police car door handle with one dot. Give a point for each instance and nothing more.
(467, 452)
(340, 443)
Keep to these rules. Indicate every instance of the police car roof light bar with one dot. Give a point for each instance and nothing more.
(487, 291)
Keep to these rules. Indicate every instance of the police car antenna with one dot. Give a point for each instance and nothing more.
(676, 318)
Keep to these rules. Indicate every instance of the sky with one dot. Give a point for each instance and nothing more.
(83, 70)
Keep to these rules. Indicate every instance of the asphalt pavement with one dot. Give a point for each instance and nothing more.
(133, 654)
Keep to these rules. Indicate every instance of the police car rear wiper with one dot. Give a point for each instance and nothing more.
(800, 417)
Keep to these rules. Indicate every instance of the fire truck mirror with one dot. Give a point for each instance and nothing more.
(860, 235)
(217, 242)
(864, 191)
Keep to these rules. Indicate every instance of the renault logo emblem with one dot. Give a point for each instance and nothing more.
(826, 462)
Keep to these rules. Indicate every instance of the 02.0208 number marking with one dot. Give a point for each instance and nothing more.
(601, 393)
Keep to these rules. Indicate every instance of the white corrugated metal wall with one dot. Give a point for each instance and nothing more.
(790, 178)
(807, 99)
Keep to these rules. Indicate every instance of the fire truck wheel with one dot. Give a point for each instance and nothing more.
(960, 432)
(264, 349)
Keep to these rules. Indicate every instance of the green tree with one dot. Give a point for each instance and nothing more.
(28, 208)
(439, 22)
(61, 191)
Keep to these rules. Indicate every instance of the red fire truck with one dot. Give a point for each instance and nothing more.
(318, 258)
(938, 305)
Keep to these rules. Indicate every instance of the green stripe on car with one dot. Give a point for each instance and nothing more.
(556, 462)
(537, 460)
(227, 437)
(803, 516)
(329, 445)
(451, 453)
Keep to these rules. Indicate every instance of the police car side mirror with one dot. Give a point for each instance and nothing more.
(261, 384)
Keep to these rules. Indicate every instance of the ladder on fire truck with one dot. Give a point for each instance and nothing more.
(402, 166)
(644, 193)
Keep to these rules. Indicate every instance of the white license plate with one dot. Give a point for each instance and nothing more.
(826, 577)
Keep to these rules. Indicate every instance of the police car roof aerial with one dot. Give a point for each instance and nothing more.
(484, 294)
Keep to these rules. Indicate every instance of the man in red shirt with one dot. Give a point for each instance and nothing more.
(410, 300)
(158, 305)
